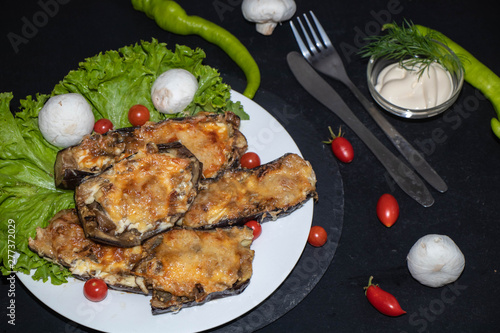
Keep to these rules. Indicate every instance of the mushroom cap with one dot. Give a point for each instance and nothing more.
(65, 119)
(435, 260)
(174, 90)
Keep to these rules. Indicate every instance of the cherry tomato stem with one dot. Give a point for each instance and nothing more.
(341, 147)
(383, 301)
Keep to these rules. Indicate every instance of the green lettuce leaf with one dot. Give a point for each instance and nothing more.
(116, 80)
(28, 197)
(112, 82)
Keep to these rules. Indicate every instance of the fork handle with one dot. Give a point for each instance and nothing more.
(405, 148)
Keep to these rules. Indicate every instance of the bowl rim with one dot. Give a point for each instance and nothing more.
(409, 112)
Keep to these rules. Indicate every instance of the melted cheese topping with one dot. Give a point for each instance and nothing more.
(187, 260)
(143, 192)
(208, 141)
(284, 184)
(64, 242)
(211, 141)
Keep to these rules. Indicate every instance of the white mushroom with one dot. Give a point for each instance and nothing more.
(268, 13)
(435, 260)
(174, 90)
(65, 119)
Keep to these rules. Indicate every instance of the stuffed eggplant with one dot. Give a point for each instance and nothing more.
(263, 193)
(214, 139)
(139, 196)
(63, 242)
(187, 267)
(180, 267)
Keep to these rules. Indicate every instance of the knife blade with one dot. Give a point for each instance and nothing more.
(416, 160)
(313, 83)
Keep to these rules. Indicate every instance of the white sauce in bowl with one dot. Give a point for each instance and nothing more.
(404, 87)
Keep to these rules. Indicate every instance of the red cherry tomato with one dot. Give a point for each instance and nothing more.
(387, 209)
(317, 236)
(257, 228)
(95, 290)
(250, 160)
(138, 115)
(383, 301)
(341, 147)
(103, 125)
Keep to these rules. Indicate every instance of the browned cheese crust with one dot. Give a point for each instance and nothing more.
(214, 139)
(188, 267)
(266, 192)
(139, 196)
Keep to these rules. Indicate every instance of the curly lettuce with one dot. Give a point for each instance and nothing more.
(28, 198)
(112, 82)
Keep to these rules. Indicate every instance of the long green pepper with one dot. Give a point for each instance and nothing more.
(171, 17)
(476, 74)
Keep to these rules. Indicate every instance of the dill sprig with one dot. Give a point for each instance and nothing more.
(410, 48)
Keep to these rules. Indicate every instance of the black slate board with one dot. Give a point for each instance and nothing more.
(328, 212)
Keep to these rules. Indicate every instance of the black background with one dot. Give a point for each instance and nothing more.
(458, 144)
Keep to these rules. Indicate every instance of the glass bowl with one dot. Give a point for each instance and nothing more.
(376, 65)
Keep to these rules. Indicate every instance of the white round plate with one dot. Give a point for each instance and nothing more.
(277, 251)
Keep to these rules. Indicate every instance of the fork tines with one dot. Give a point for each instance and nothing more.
(316, 47)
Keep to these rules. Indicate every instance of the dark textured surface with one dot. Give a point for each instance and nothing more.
(458, 144)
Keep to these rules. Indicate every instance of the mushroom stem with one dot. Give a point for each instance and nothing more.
(266, 28)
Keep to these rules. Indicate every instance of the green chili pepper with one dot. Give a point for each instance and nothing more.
(173, 18)
(476, 74)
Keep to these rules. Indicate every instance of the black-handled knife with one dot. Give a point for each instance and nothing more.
(409, 182)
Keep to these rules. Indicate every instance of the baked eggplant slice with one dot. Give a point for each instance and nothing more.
(214, 139)
(63, 242)
(186, 267)
(263, 193)
(139, 196)
(180, 267)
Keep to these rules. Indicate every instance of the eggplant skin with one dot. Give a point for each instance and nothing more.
(214, 139)
(164, 302)
(263, 193)
(140, 196)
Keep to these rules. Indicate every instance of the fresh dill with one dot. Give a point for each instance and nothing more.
(411, 48)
